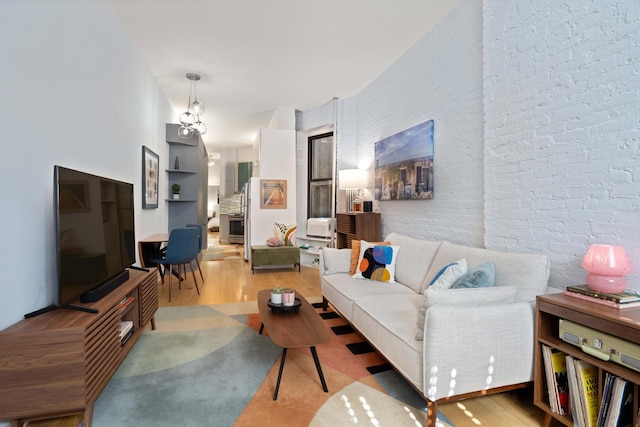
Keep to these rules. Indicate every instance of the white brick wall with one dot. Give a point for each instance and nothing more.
(537, 116)
(562, 109)
(439, 78)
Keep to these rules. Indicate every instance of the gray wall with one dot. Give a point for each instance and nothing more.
(74, 92)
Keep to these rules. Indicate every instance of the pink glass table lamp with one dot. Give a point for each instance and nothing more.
(607, 265)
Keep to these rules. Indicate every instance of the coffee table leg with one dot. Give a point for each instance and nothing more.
(284, 356)
(315, 359)
(261, 328)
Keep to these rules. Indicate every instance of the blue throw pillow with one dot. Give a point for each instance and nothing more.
(439, 273)
(482, 276)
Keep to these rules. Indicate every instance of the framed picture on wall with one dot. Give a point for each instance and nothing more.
(150, 169)
(404, 164)
(273, 194)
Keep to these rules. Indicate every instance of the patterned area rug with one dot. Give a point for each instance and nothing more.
(222, 252)
(208, 366)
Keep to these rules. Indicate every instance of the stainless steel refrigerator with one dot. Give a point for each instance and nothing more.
(246, 210)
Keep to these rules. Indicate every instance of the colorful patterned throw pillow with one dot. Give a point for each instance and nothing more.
(286, 234)
(355, 253)
(377, 262)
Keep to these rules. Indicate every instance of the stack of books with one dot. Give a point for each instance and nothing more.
(626, 299)
(572, 384)
(126, 330)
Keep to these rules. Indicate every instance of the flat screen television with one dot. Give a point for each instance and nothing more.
(95, 234)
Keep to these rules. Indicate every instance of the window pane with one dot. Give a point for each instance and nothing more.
(321, 157)
(320, 199)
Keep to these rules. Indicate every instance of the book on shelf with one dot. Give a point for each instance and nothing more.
(126, 330)
(620, 413)
(574, 393)
(609, 303)
(587, 375)
(548, 370)
(559, 363)
(621, 298)
(606, 399)
(125, 303)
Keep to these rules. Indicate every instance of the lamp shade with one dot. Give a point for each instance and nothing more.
(607, 265)
(352, 178)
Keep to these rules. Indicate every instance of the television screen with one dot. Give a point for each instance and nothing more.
(95, 231)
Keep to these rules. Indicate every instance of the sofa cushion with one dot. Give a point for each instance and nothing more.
(481, 276)
(529, 272)
(377, 262)
(335, 261)
(342, 290)
(355, 253)
(414, 259)
(463, 297)
(449, 274)
(386, 323)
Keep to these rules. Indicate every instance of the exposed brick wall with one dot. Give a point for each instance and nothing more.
(562, 109)
(439, 78)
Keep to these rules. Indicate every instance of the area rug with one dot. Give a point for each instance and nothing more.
(208, 366)
(222, 252)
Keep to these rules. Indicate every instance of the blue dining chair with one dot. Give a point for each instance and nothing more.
(182, 249)
(199, 227)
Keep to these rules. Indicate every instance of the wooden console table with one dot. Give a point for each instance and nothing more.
(624, 324)
(57, 363)
(357, 226)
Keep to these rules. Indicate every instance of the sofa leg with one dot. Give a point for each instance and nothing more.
(325, 304)
(432, 413)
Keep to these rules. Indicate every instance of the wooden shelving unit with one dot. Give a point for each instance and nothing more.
(59, 362)
(550, 309)
(357, 226)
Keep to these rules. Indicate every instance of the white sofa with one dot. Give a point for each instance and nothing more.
(471, 344)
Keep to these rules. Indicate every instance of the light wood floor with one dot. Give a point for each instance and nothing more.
(231, 281)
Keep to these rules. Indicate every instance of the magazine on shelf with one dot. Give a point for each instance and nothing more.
(606, 302)
(574, 394)
(620, 412)
(621, 298)
(606, 399)
(587, 375)
(559, 362)
(551, 385)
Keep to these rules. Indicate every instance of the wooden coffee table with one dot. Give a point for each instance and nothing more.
(293, 329)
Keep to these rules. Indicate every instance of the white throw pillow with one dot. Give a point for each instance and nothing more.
(464, 297)
(377, 262)
(449, 275)
(336, 260)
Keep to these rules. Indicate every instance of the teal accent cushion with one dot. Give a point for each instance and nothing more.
(482, 276)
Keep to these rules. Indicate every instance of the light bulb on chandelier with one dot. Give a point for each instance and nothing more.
(190, 120)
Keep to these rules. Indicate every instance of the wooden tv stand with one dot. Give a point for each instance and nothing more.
(57, 363)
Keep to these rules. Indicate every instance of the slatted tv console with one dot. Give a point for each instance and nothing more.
(58, 362)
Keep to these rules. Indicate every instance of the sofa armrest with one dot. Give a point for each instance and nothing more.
(333, 261)
(470, 349)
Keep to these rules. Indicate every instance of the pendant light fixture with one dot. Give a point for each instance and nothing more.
(190, 122)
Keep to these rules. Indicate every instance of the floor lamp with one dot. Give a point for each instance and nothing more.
(352, 180)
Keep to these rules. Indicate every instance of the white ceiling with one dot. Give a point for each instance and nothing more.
(258, 55)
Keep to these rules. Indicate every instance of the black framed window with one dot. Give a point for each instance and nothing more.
(320, 177)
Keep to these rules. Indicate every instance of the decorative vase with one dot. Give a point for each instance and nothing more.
(176, 166)
(288, 297)
(276, 298)
(176, 196)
